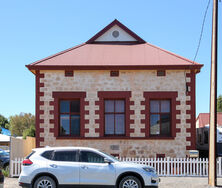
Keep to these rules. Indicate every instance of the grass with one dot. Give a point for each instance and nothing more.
(5, 172)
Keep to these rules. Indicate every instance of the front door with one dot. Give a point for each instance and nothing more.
(94, 171)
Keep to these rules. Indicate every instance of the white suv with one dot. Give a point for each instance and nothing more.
(54, 167)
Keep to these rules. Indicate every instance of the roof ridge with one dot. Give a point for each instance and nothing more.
(171, 53)
(57, 54)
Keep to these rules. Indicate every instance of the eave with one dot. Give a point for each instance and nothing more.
(195, 67)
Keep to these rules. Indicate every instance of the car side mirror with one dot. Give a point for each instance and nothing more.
(107, 161)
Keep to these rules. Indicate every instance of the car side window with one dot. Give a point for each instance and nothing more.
(70, 156)
(91, 157)
(47, 154)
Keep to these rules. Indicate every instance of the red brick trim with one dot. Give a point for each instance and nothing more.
(192, 111)
(69, 73)
(37, 108)
(160, 95)
(114, 73)
(161, 72)
(160, 155)
(113, 95)
(70, 95)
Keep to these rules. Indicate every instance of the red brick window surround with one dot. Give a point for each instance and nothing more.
(69, 114)
(160, 114)
(115, 97)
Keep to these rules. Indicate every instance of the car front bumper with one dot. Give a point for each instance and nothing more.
(151, 179)
(25, 185)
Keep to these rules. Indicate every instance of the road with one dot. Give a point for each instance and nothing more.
(166, 182)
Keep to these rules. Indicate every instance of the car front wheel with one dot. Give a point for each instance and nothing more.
(130, 182)
(44, 182)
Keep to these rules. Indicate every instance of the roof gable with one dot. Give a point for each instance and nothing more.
(116, 32)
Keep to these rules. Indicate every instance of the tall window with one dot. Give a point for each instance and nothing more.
(114, 117)
(69, 118)
(160, 118)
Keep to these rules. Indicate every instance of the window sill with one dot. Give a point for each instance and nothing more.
(114, 138)
(161, 137)
(69, 137)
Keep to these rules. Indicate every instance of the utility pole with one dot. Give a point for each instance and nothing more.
(213, 100)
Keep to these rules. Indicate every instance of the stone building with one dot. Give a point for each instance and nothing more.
(119, 94)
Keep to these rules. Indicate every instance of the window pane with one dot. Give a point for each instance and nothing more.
(120, 124)
(165, 106)
(64, 125)
(75, 106)
(90, 157)
(154, 106)
(75, 125)
(109, 124)
(119, 106)
(165, 124)
(47, 154)
(64, 106)
(154, 124)
(109, 105)
(65, 156)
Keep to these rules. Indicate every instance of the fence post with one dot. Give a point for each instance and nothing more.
(168, 166)
(207, 165)
(219, 166)
(11, 168)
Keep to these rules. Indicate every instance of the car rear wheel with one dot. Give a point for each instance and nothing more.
(44, 182)
(130, 182)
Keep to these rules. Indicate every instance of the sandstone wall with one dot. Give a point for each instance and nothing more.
(137, 82)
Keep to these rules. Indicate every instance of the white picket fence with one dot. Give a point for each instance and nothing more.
(16, 167)
(177, 166)
(164, 166)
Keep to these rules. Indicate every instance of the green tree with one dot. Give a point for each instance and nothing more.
(24, 123)
(29, 132)
(219, 103)
(4, 122)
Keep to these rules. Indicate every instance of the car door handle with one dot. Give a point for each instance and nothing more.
(84, 167)
(53, 166)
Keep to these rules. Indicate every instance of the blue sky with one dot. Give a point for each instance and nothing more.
(32, 30)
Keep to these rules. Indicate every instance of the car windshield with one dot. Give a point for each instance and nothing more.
(3, 153)
(110, 156)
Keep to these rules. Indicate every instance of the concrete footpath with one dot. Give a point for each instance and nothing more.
(186, 182)
(166, 182)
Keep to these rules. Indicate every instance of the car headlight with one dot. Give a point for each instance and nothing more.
(148, 169)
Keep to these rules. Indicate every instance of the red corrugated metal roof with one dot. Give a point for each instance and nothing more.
(127, 54)
(204, 119)
(114, 55)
